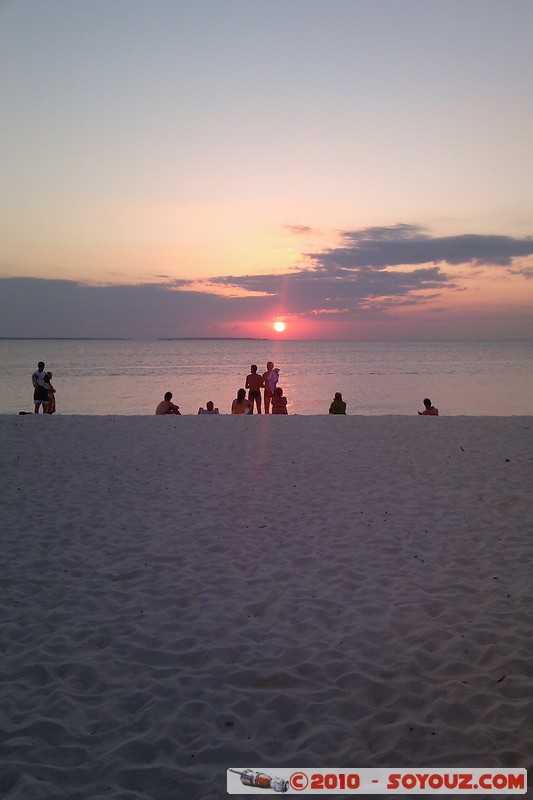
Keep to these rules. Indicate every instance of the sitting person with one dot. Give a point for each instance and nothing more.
(166, 407)
(338, 406)
(209, 408)
(241, 404)
(279, 403)
(429, 410)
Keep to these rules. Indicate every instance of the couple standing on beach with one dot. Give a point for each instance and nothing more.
(43, 391)
(267, 381)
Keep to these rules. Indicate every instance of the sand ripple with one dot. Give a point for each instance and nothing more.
(182, 598)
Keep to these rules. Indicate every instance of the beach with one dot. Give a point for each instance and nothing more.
(182, 595)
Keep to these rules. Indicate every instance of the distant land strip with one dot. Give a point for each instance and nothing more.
(212, 339)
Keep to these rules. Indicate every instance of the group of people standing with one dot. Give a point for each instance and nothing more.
(272, 393)
(43, 391)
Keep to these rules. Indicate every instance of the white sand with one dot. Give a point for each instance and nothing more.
(184, 595)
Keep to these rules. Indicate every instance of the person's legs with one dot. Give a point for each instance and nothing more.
(255, 399)
(268, 398)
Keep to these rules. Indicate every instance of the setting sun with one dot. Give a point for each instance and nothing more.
(279, 326)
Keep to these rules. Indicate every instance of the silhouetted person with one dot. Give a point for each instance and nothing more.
(270, 378)
(166, 407)
(209, 408)
(254, 384)
(51, 407)
(40, 388)
(429, 410)
(241, 405)
(338, 406)
(279, 403)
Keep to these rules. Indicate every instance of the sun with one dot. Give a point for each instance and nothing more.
(279, 326)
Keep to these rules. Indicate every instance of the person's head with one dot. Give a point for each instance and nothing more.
(427, 402)
(210, 405)
(241, 394)
(338, 396)
(270, 365)
(279, 391)
(49, 375)
(253, 368)
(168, 396)
(276, 370)
(41, 365)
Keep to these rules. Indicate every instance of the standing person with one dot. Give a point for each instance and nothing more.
(429, 410)
(254, 384)
(338, 406)
(270, 378)
(241, 405)
(40, 388)
(167, 407)
(51, 409)
(279, 403)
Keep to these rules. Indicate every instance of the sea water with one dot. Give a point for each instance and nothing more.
(108, 377)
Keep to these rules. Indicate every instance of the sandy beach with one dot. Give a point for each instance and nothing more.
(183, 595)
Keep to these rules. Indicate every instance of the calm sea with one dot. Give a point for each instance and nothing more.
(130, 377)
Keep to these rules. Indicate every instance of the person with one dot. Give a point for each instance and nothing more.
(338, 406)
(40, 388)
(254, 384)
(51, 408)
(279, 403)
(241, 405)
(270, 378)
(209, 408)
(429, 410)
(167, 407)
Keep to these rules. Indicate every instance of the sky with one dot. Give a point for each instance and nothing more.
(357, 169)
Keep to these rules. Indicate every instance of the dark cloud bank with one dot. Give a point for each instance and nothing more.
(370, 272)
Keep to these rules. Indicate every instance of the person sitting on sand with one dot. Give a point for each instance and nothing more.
(209, 408)
(429, 410)
(241, 405)
(279, 403)
(166, 407)
(254, 384)
(338, 406)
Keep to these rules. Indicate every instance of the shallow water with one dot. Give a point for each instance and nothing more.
(130, 377)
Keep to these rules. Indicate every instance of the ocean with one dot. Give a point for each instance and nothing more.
(127, 377)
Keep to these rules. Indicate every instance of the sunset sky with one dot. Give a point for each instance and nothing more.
(354, 168)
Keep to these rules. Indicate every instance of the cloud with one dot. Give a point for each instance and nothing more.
(309, 290)
(372, 273)
(382, 247)
(300, 230)
(32, 307)
(380, 265)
